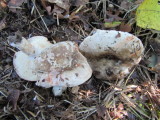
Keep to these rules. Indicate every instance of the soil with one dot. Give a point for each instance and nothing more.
(135, 97)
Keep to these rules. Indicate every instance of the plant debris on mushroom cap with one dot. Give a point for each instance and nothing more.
(62, 65)
(32, 46)
(58, 64)
(111, 54)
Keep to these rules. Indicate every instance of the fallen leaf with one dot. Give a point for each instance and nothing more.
(13, 98)
(75, 89)
(61, 3)
(119, 112)
(147, 15)
(120, 107)
(125, 27)
(58, 11)
(101, 110)
(13, 4)
(68, 114)
(49, 10)
(3, 4)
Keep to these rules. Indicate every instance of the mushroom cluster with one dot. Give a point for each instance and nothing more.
(110, 54)
(57, 65)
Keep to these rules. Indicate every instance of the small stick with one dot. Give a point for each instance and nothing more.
(104, 9)
(57, 20)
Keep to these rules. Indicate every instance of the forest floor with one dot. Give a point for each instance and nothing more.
(137, 97)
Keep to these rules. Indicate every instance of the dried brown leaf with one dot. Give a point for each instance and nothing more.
(118, 115)
(61, 3)
(13, 98)
(75, 89)
(58, 11)
(3, 4)
(120, 107)
(125, 27)
(49, 10)
(13, 4)
(68, 114)
(101, 110)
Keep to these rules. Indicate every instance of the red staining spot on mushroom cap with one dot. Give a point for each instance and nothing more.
(49, 79)
(130, 38)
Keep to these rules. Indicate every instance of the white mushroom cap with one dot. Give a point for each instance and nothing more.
(62, 65)
(24, 66)
(23, 60)
(122, 45)
(39, 43)
(111, 54)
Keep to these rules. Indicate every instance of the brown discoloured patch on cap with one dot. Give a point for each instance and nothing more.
(62, 63)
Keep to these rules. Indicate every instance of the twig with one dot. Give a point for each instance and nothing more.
(129, 76)
(35, 19)
(57, 20)
(23, 114)
(104, 9)
(3, 94)
(130, 10)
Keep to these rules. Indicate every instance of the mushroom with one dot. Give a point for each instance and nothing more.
(111, 54)
(57, 65)
(24, 59)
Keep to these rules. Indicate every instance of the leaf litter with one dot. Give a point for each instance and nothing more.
(135, 97)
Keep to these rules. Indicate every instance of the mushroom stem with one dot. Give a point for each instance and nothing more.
(58, 90)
